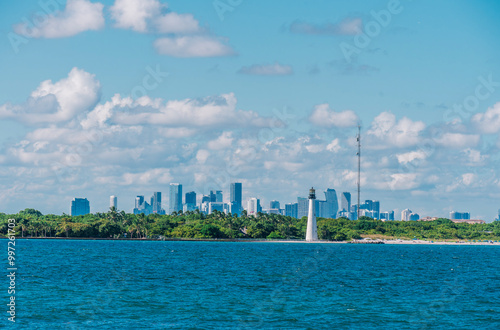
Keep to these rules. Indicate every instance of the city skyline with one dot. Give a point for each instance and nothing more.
(129, 101)
(215, 201)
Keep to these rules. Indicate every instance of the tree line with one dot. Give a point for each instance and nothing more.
(196, 225)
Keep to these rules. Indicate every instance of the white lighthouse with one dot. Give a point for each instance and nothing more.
(312, 229)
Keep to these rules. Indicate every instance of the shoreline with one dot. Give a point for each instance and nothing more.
(363, 242)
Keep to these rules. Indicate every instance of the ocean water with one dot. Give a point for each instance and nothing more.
(83, 284)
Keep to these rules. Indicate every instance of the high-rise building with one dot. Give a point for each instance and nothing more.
(291, 210)
(376, 209)
(139, 200)
(175, 201)
(113, 202)
(219, 198)
(414, 217)
(215, 196)
(79, 206)
(345, 202)
(253, 206)
(302, 207)
(459, 215)
(190, 201)
(498, 218)
(141, 206)
(405, 214)
(235, 197)
(190, 198)
(274, 205)
(156, 202)
(212, 206)
(332, 204)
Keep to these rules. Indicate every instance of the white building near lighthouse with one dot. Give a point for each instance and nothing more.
(312, 228)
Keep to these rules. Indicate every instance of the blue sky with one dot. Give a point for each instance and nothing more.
(251, 91)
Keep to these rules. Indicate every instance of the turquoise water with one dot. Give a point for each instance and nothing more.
(79, 284)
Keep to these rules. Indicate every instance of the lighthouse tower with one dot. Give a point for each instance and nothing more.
(312, 229)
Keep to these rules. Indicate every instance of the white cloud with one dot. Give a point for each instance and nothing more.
(57, 102)
(146, 16)
(202, 156)
(192, 46)
(458, 140)
(323, 116)
(153, 176)
(77, 17)
(224, 141)
(402, 181)
(177, 23)
(408, 157)
(390, 132)
(475, 155)
(275, 69)
(134, 14)
(334, 146)
(348, 26)
(214, 111)
(468, 178)
(488, 122)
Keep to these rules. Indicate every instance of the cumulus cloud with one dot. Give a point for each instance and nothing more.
(192, 46)
(57, 102)
(216, 111)
(77, 17)
(323, 116)
(408, 157)
(392, 132)
(402, 181)
(153, 176)
(334, 146)
(458, 140)
(275, 69)
(348, 26)
(146, 16)
(488, 122)
(224, 141)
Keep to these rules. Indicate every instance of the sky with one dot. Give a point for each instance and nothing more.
(124, 97)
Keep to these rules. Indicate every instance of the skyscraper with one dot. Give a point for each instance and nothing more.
(189, 201)
(405, 215)
(235, 197)
(139, 200)
(219, 198)
(156, 202)
(345, 202)
(253, 206)
(80, 206)
(302, 207)
(274, 205)
(113, 202)
(376, 209)
(291, 210)
(332, 203)
(190, 198)
(141, 206)
(175, 201)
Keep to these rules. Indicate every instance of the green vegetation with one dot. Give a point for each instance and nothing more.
(32, 223)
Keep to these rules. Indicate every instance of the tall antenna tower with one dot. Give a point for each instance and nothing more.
(359, 166)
